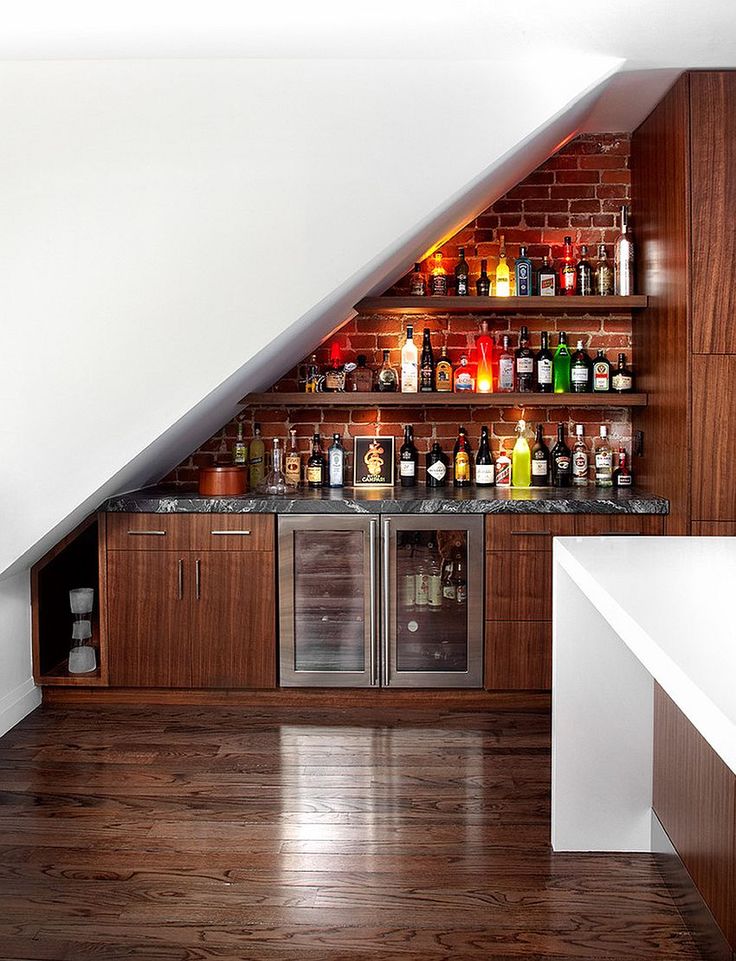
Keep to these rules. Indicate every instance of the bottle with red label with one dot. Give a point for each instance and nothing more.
(622, 474)
(568, 272)
(503, 469)
(601, 374)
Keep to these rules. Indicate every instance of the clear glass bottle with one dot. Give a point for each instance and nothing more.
(603, 460)
(293, 461)
(417, 283)
(624, 258)
(521, 458)
(503, 276)
(409, 363)
(240, 448)
(336, 463)
(506, 367)
(434, 574)
(387, 380)
(462, 275)
(603, 276)
(580, 459)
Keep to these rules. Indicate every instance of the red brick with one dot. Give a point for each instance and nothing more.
(616, 176)
(505, 206)
(528, 191)
(577, 177)
(604, 220)
(609, 191)
(534, 220)
(562, 162)
(599, 162)
(572, 192)
(584, 206)
(556, 206)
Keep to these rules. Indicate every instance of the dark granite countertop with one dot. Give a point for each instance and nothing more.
(417, 500)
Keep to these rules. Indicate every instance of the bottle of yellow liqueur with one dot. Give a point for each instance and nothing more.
(503, 274)
(443, 373)
(438, 277)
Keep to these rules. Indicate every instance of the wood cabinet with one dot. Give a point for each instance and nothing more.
(519, 586)
(609, 525)
(518, 655)
(713, 475)
(193, 617)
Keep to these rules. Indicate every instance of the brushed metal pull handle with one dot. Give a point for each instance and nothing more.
(373, 600)
(230, 533)
(531, 533)
(147, 533)
(386, 601)
(180, 595)
(198, 578)
(620, 533)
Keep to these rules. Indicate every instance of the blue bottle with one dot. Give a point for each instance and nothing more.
(523, 270)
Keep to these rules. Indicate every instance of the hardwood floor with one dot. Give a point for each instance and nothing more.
(184, 833)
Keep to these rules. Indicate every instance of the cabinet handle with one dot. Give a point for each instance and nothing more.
(180, 596)
(230, 533)
(147, 533)
(531, 533)
(386, 600)
(373, 600)
(198, 578)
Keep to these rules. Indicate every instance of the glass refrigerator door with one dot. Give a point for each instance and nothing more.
(433, 602)
(328, 601)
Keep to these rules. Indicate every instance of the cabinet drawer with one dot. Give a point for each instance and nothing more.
(148, 532)
(518, 586)
(518, 656)
(233, 532)
(606, 524)
(526, 532)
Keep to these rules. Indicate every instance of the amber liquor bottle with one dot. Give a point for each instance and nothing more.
(462, 460)
(568, 274)
(316, 467)
(426, 365)
(622, 380)
(417, 283)
(438, 277)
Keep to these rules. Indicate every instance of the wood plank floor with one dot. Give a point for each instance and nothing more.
(188, 833)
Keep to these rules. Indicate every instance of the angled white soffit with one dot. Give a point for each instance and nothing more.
(174, 234)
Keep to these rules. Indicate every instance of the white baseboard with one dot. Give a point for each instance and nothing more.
(17, 704)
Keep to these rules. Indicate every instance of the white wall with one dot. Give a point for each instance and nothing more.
(176, 233)
(18, 695)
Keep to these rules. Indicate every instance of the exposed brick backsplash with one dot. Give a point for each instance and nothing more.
(578, 192)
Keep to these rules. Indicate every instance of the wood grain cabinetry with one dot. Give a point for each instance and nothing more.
(518, 655)
(193, 616)
(610, 525)
(519, 586)
(713, 475)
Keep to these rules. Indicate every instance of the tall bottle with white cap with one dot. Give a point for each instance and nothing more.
(624, 258)
(603, 460)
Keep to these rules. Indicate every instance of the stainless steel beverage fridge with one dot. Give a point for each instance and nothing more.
(378, 600)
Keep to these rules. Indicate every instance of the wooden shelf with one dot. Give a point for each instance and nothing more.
(59, 676)
(376, 399)
(495, 305)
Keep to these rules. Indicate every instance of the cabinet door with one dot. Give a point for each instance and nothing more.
(147, 615)
(518, 656)
(713, 476)
(233, 619)
(518, 586)
(713, 205)
(606, 525)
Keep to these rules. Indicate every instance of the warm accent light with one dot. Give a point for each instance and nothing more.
(485, 349)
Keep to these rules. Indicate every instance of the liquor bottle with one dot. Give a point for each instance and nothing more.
(408, 459)
(417, 283)
(437, 465)
(459, 578)
(521, 458)
(579, 459)
(503, 279)
(316, 465)
(603, 460)
(409, 363)
(256, 459)
(484, 467)
(524, 364)
(461, 460)
(584, 279)
(622, 474)
(443, 373)
(561, 365)
(561, 460)
(293, 461)
(387, 380)
(547, 279)
(568, 274)
(335, 372)
(603, 276)
(523, 272)
(624, 258)
(360, 379)
(434, 572)
(313, 379)
(483, 283)
(240, 448)
(438, 277)
(601, 374)
(426, 364)
(336, 463)
(506, 366)
(463, 377)
(448, 585)
(421, 579)
(484, 348)
(503, 469)
(581, 371)
(462, 275)
(543, 363)
(540, 460)
(622, 380)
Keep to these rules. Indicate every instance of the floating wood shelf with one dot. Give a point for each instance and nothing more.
(495, 305)
(376, 399)
(59, 676)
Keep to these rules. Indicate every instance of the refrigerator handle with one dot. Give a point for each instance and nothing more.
(373, 600)
(386, 602)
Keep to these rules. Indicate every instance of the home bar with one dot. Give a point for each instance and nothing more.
(378, 527)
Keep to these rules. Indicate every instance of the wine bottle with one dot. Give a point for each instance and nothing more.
(524, 364)
(483, 283)
(561, 460)
(408, 459)
(256, 459)
(543, 363)
(540, 460)
(484, 466)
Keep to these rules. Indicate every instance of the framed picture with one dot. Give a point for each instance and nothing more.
(373, 462)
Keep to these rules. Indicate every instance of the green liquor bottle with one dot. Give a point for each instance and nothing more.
(561, 366)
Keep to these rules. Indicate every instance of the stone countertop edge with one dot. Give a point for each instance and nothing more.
(346, 501)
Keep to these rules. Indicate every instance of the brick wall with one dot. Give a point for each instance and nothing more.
(578, 191)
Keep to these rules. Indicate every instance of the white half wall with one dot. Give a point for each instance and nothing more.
(18, 694)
